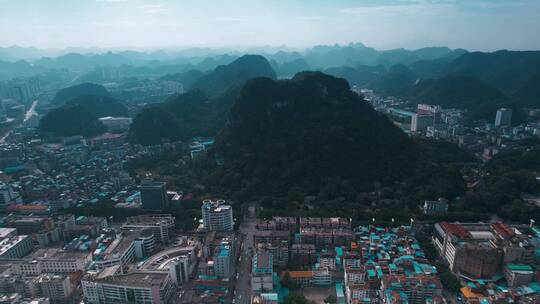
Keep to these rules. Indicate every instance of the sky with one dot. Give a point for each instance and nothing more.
(383, 24)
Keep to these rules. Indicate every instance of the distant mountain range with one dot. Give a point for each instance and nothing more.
(430, 75)
(201, 111)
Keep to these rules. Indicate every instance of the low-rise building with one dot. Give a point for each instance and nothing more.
(518, 275)
(13, 246)
(262, 272)
(136, 287)
(435, 207)
(162, 225)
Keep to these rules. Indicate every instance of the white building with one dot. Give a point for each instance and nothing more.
(162, 225)
(217, 216)
(435, 207)
(179, 269)
(125, 249)
(116, 124)
(503, 118)
(51, 261)
(137, 287)
(13, 246)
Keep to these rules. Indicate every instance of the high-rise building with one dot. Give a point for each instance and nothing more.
(503, 118)
(217, 216)
(154, 195)
(419, 122)
(179, 269)
(223, 258)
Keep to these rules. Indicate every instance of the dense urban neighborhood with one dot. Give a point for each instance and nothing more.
(332, 174)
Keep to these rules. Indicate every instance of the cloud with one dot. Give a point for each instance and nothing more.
(231, 19)
(152, 8)
(112, 1)
(308, 18)
(400, 8)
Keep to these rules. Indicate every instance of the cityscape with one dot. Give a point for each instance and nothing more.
(370, 152)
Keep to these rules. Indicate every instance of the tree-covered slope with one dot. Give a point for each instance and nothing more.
(79, 116)
(234, 74)
(505, 70)
(69, 93)
(71, 120)
(100, 106)
(461, 92)
(308, 129)
(182, 117)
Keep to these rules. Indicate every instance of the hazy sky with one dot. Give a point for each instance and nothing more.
(383, 24)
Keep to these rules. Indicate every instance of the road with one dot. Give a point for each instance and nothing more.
(27, 115)
(243, 287)
(31, 111)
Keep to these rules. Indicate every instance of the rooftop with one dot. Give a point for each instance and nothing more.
(136, 279)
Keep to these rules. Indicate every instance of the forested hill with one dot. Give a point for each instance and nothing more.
(234, 74)
(305, 130)
(69, 93)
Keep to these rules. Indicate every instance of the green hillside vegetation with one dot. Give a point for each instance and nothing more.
(69, 93)
(234, 74)
(79, 116)
(100, 106)
(69, 121)
(460, 92)
(391, 84)
(510, 175)
(312, 136)
(506, 70)
(182, 117)
(529, 94)
(187, 79)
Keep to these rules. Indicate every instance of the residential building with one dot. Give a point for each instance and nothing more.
(162, 225)
(518, 275)
(109, 287)
(124, 249)
(41, 228)
(420, 123)
(503, 118)
(57, 287)
(179, 270)
(262, 272)
(439, 206)
(13, 246)
(154, 195)
(217, 216)
(223, 259)
(411, 289)
(8, 196)
(468, 248)
(50, 260)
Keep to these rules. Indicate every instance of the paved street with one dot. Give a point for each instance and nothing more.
(243, 288)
